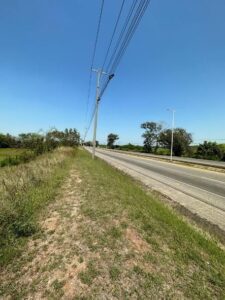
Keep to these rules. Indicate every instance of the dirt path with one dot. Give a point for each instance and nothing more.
(53, 259)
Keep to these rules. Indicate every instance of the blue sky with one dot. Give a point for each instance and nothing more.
(176, 59)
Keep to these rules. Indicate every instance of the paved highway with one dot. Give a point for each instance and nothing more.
(204, 162)
(201, 191)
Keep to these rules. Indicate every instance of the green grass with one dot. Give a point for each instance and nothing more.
(178, 261)
(11, 156)
(24, 192)
(89, 274)
(10, 152)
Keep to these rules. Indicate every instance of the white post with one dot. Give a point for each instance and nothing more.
(172, 133)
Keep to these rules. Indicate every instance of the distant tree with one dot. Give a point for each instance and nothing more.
(88, 144)
(8, 141)
(151, 135)
(209, 150)
(32, 141)
(181, 141)
(71, 137)
(68, 137)
(112, 137)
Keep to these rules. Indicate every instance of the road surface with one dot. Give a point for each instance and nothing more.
(200, 191)
(203, 162)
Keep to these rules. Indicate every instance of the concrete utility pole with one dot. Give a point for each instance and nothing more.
(99, 74)
(172, 129)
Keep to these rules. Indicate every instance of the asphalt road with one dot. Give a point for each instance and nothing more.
(204, 162)
(202, 189)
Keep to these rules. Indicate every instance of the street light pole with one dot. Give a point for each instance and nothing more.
(99, 73)
(172, 130)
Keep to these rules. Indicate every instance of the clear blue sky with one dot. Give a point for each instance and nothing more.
(176, 59)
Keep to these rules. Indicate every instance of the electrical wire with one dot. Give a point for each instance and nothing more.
(117, 45)
(90, 122)
(132, 21)
(135, 22)
(113, 64)
(122, 32)
(93, 56)
(113, 34)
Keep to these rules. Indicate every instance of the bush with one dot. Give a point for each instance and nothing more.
(130, 147)
(209, 150)
(163, 151)
(16, 160)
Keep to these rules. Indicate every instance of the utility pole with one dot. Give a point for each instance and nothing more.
(99, 74)
(172, 129)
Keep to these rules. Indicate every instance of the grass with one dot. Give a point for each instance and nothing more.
(24, 191)
(89, 275)
(13, 156)
(169, 257)
(10, 152)
(104, 238)
(6, 152)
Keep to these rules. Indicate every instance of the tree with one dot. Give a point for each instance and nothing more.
(151, 135)
(112, 137)
(209, 150)
(68, 137)
(32, 141)
(8, 141)
(181, 140)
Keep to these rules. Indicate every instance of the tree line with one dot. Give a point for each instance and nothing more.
(157, 140)
(35, 143)
(41, 142)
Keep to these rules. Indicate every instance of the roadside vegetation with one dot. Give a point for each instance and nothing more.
(105, 237)
(9, 152)
(27, 146)
(139, 246)
(24, 190)
(32, 171)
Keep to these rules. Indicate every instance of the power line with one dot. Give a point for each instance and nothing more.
(133, 26)
(113, 34)
(93, 56)
(131, 23)
(130, 13)
(90, 122)
(128, 36)
(122, 32)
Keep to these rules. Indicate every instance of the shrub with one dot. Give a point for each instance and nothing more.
(209, 150)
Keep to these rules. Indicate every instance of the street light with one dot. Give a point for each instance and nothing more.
(172, 129)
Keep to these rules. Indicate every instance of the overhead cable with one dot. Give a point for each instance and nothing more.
(93, 55)
(113, 34)
(127, 35)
